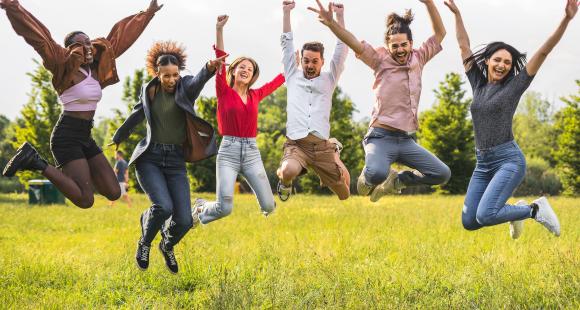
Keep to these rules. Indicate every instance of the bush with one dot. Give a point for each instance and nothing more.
(539, 179)
(10, 185)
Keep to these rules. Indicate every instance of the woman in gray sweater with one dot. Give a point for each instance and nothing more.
(499, 75)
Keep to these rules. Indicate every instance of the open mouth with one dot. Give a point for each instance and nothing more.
(243, 75)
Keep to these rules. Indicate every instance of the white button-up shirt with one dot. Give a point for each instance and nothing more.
(309, 101)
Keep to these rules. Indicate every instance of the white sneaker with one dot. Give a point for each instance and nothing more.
(362, 187)
(517, 227)
(546, 216)
(195, 210)
(387, 187)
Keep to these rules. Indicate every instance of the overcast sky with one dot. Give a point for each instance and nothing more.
(254, 29)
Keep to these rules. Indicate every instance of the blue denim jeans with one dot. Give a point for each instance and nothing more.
(162, 175)
(384, 147)
(498, 172)
(238, 156)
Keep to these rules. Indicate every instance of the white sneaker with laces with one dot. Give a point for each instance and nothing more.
(517, 227)
(196, 210)
(546, 216)
(362, 187)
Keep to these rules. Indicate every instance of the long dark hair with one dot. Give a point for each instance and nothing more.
(399, 24)
(477, 61)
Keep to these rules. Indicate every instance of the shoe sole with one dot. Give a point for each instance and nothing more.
(280, 194)
(17, 160)
(517, 227)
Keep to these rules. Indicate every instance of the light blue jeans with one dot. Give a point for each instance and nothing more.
(384, 147)
(238, 156)
(498, 172)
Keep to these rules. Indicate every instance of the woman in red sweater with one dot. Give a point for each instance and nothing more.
(237, 116)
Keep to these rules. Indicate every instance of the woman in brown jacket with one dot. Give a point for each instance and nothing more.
(80, 69)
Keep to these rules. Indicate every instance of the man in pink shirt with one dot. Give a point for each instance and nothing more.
(397, 68)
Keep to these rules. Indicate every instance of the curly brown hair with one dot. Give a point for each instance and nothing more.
(162, 48)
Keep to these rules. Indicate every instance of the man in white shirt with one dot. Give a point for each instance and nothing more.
(309, 100)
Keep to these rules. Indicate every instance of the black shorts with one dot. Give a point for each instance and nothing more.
(71, 139)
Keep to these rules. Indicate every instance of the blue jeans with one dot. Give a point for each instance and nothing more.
(384, 147)
(238, 156)
(162, 175)
(498, 172)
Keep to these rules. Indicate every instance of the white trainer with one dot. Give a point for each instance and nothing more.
(387, 187)
(517, 227)
(546, 216)
(195, 210)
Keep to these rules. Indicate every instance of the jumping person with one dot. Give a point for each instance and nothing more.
(308, 108)
(80, 70)
(237, 116)
(499, 75)
(397, 69)
(166, 102)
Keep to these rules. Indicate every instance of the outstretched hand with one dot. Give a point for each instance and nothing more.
(324, 16)
(154, 7)
(451, 5)
(288, 6)
(571, 8)
(216, 64)
(221, 21)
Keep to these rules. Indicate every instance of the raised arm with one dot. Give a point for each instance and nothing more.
(436, 22)
(34, 33)
(341, 50)
(287, 7)
(325, 16)
(125, 32)
(461, 33)
(290, 58)
(538, 59)
(219, 31)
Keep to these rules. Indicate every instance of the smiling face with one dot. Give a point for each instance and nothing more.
(84, 40)
(498, 65)
(399, 47)
(168, 76)
(244, 72)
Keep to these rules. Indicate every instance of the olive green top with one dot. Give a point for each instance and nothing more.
(167, 120)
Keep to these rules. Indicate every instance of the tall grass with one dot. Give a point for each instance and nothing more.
(313, 252)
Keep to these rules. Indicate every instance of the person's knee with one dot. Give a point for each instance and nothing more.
(183, 223)
(85, 202)
(114, 193)
(375, 175)
(268, 207)
(484, 217)
(443, 175)
(162, 210)
(289, 171)
(226, 206)
(469, 222)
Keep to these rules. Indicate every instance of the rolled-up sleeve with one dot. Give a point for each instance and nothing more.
(288, 56)
(428, 50)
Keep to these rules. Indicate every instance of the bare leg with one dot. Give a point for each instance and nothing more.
(74, 181)
(288, 171)
(104, 178)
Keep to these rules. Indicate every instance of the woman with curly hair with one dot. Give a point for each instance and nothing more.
(174, 135)
(398, 69)
(237, 115)
(499, 75)
(80, 70)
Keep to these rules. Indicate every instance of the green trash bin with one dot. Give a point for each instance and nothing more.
(43, 192)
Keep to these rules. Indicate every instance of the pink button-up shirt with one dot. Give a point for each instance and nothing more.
(397, 87)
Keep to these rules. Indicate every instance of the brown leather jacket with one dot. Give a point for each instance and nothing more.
(62, 62)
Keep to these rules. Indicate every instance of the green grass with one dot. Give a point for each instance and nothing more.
(313, 252)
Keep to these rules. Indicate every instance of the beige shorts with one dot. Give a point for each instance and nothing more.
(320, 155)
(123, 187)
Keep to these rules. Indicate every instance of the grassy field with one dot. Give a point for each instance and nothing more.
(313, 252)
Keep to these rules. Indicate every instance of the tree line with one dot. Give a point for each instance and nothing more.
(550, 139)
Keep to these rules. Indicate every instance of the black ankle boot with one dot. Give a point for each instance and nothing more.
(26, 158)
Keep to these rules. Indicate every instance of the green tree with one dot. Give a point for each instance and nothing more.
(447, 131)
(131, 92)
(567, 154)
(38, 117)
(533, 127)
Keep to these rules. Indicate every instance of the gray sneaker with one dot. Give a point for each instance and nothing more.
(387, 187)
(196, 210)
(546, 216)
(517, 227)
(362, 187)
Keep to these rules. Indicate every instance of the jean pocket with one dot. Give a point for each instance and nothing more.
(225, 144)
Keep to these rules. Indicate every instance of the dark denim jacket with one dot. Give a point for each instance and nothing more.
(186, 92)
